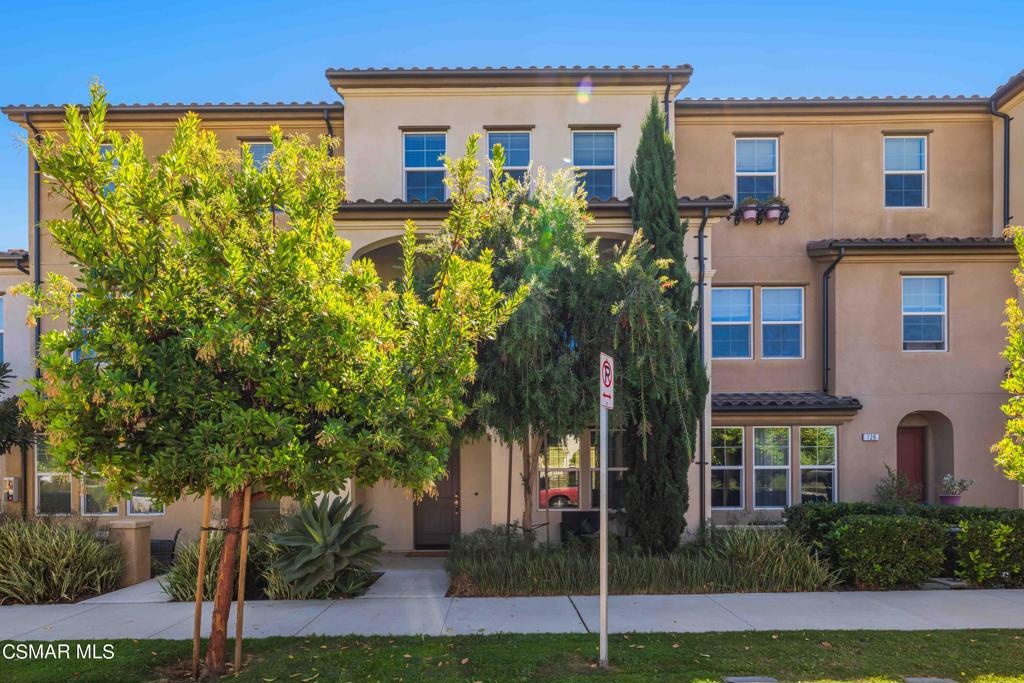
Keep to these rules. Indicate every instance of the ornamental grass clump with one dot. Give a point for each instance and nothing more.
(43, 561)
(500, 562)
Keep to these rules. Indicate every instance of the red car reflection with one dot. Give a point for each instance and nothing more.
(565, 497)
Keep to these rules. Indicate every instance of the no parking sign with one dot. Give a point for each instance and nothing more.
(607, 374)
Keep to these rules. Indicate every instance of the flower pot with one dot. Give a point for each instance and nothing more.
(946, 499)
(772, 212)
(749, 213)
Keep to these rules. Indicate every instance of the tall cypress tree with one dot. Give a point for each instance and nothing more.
(660, 432)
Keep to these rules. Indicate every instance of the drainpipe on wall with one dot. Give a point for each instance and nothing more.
(825, 369)
(668, 89)
(700, 311)
(1006, 159)
(37, 281)
(330, 131)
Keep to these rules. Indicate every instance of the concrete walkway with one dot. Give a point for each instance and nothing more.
(434, 615)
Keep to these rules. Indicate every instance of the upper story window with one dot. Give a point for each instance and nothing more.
(924, 313)
(593, 153)
(105, 152)
(517, 152)
(424, 169)
(731, 322)
(261, 152)
(906, 171)
(782, 322)
(727, 467)
(757, 168)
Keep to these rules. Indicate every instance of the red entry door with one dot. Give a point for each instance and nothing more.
(910, 455)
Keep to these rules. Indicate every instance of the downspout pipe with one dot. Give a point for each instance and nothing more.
(330, 131)
(1006, 159)
(825, 279)
(37, 280)
(700, 312)
(668, 90)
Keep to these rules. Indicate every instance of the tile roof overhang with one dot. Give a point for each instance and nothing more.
(174, 110)
(909, 244)
(17, 258)
(1007, 91)
(832, 105)
(689, 207)
(507, 76)
(782, 402)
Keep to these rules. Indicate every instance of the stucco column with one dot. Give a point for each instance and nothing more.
(131, 536)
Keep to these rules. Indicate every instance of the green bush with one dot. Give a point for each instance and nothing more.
(44, 561)
(884, 551)
(501, 562)
(991, 553)
(179, 581)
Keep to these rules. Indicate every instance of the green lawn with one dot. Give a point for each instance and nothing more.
(978, 656)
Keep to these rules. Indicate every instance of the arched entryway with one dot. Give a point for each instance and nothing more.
(924, 451)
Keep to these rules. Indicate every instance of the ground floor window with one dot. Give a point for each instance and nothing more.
(727, 467)
(96, 499)
(771, 467)
(564, 466)
(817, 464)
(53, 489)
(141, 503)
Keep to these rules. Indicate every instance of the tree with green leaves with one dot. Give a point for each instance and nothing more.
(659, 348)
(1010, 449)
(217, 340)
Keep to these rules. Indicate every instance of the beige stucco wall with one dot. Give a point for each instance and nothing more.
(1014, 108)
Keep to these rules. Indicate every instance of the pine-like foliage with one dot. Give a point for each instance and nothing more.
(659, 353)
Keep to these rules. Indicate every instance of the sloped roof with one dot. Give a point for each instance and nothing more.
(782, 401)
(692, 106)
(913, 241)
(490, 76)
(1009, 89)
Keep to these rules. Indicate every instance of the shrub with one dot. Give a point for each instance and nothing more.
(991, 553)
(896, 487)
(179, 581)
(883, 551)
(44, 561)
(501, 562)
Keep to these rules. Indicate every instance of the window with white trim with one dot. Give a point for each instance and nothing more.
(559, 474)
(617, 468)
(782, 322)
(516, 146)
(906, 171)
(731, 322)
(771, 467)
(106, 151)
(565, 465)
(757, 168)
(423, 167)
(817, 464)
(260, 152)
(96, 498)
(924, 313)
(593, 155)
(140, 503)
(53, 488)
(727, 468)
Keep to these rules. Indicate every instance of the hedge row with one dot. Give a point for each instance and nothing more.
(988, 549)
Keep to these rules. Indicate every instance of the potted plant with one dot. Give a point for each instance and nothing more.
(749, 208)
(952, 489)
(773, 208)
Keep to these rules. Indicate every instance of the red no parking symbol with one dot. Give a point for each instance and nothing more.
(607, 388)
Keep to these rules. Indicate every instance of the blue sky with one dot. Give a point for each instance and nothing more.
(228, 51)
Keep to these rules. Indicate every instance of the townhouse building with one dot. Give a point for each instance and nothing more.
(853, 326)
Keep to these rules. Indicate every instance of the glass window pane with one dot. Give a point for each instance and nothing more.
(817, 486)
(730, 341)
(904, 189)
(141, 504)
(770, 487)
(597, 183)
(817, 446)
(726, 489)
(760, 187)
(730, 305)
(904, 154)
(54, 494)
(515, 145)
(617, 456)
(97, 499)
(782, 304)
(560, 488)
(923, 333)
(424, 186)
(593, 149)
(260, 151)
(781, 341)
(43, 461)
(727, 446)
(924, 295)
(424, 150)
(616, 489)
(756, 156)
(771, 446)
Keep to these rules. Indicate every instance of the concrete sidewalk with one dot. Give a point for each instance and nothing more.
(381, 613)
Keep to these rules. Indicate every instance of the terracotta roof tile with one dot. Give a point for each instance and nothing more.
(782, 401)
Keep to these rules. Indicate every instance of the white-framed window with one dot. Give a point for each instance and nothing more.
(618, 466)
(906, 171)
(423, 172)
(771, 467)
(731, 322)
(261, 152)
(782, 322)
(564, 467)
(559, 474)
(757, 168)
(96, 499)
(817, 464)
(140, 503)
(53, 488)
(516, 145)
(593, 155)
(727, 468)
(924, 313)
(106, 151)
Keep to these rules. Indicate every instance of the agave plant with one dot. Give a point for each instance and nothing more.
(325, 542)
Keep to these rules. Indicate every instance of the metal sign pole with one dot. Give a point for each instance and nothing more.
(606, 374)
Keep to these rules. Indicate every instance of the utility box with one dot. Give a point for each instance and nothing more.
(12, 489)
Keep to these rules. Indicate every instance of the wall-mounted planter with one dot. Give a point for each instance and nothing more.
(749, 213)
(772, 212)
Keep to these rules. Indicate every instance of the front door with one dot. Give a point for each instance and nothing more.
(436, 520)
(910, 455)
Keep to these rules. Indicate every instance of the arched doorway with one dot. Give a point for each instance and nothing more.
(924, 451)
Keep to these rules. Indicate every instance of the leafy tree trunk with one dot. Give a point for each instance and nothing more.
(216, 651)
(529, 459)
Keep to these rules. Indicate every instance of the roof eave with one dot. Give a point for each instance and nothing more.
(834, 247)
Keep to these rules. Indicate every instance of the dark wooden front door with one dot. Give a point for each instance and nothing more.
(436, 520)
(910, 455)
